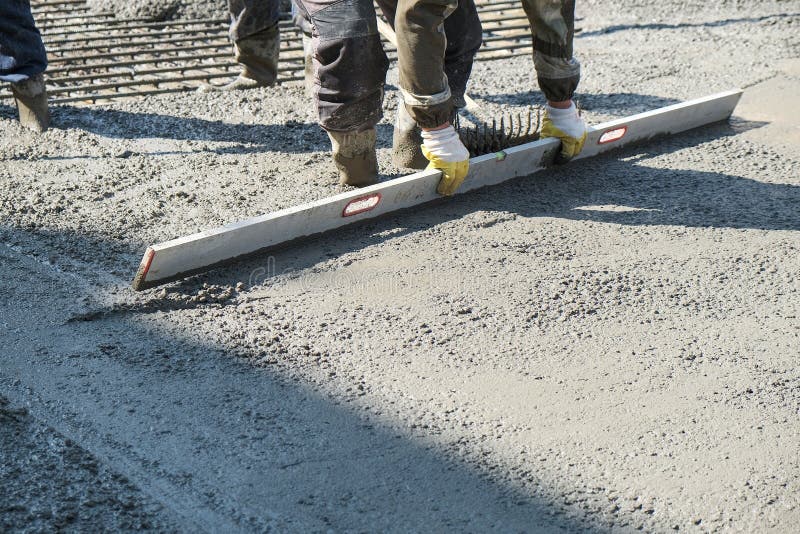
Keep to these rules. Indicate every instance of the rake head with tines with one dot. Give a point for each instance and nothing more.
(514, 129)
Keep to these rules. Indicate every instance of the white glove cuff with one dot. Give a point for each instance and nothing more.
(567, 120)
(445, 144)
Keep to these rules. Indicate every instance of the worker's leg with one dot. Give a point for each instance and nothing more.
(463, 31)
(256, 39)
(22, 62)
(349, 72)
(464, 37)
(553, 29)
(22, 54)
(421, 46)
(349, 63)
(463, 34)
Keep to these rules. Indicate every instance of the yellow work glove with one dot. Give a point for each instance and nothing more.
(566, 125)
(453, 173)
(445, 152)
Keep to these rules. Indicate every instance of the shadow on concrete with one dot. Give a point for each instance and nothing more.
(618, 187)
(8, 110)
(617, 104)
(226, 446)
(665, 26)
(290, 137)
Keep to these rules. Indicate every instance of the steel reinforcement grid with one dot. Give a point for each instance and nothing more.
(97, 56)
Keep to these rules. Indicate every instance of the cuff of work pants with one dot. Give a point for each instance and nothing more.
(432, 116)
(558, 76)
(559, 89)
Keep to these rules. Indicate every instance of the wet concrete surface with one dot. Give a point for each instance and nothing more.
(607, 346)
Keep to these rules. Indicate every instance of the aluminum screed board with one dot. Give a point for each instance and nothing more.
(205, 250)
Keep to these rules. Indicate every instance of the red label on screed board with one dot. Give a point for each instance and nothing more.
(615, 134)
(146, 261)
(361, 204)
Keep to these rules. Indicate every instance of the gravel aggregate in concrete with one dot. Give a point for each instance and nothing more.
(160, 10)
(607, 346)
(51, 484)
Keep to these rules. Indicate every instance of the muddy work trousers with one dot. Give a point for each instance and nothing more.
(553, 30)
(427, 96)
(22, 53)
(350, 64)
(255, 36)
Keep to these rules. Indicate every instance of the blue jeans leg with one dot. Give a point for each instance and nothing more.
(22, 53)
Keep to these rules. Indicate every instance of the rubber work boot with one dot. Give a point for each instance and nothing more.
(31, 98)
(406, 141)
(354, 156)
(308, 60)
(258, 56)
(239, 84)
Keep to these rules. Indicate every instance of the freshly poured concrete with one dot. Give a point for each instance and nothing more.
(608, 346)
(162, 9)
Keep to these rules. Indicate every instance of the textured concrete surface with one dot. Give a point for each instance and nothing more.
(608, 346)
(157, 10)
(50, 483)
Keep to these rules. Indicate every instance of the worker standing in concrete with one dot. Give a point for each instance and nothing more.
(350, 69)
(256, 43)
(22, 61)
(464, 34)
(553, 30)
(429, 100)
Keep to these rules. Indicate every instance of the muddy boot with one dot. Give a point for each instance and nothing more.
(406, 141)
(308, 60)
(31, 98)
(354, 156)
(239, 84)
(258, 56)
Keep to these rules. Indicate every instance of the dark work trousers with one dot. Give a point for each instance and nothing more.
(464, 37)
(420, 45)
(22, 53)
(350, 64)
(553, 30)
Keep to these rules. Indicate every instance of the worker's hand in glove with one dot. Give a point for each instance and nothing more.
(566, 125)
(444, 151)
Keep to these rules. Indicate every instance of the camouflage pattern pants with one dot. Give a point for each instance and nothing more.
(22, 53)
(350, 64)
